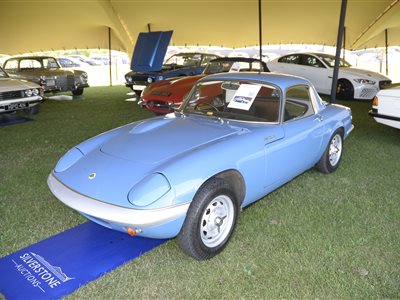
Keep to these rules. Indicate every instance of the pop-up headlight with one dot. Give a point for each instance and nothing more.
(149, 190)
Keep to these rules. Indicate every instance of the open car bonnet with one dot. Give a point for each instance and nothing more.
(150, 51)
(157, 140)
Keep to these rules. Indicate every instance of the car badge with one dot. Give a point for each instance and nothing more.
(92, 176)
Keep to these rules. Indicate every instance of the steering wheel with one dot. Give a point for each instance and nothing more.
(205, 104)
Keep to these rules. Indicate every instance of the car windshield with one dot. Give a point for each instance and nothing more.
(220, 66)
(3, 74)
(330, 60)
(236, 100)
(184, 60)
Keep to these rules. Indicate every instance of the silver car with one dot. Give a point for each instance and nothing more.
(18, 95)
(45, 71)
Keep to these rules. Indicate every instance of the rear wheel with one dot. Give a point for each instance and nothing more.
(330, 160)
(210, 221)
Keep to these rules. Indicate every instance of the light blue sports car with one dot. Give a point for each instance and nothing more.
(188, 173)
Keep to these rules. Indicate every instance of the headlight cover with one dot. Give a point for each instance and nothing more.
(149, 190)
(149, 79)
(69, 159)
(365, 81)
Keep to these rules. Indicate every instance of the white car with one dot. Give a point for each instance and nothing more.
(318, 68)
(386, 107)
(18, 94)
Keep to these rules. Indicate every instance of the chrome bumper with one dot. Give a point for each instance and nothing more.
(114, 214)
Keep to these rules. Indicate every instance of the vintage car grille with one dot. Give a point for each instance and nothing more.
(157, 104)
(384, 84)
(65, 82)
(11, 95)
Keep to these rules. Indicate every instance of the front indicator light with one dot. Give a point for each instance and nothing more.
(133, 232)
(375, 101)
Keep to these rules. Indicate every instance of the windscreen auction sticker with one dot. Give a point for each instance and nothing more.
(244, 96)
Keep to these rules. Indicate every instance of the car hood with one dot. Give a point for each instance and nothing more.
(392, 92)
(150, 51)
(157, 140)
(9, 84)
(363, 73)
(175, 86)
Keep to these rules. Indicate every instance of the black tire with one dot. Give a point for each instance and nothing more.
(33, 110)
(332, 156)
(77, 92)
(210, 221)
(344, 90)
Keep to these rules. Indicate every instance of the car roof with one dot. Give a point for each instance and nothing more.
(31, 57)
(237, 58)
(281, 80)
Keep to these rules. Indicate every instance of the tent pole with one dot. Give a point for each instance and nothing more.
(260, 27)
(109, 53)
(386, 51)
(344, 43)
(338, 49)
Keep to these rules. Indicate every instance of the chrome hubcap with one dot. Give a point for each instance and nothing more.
(335, 150)
(217, 221)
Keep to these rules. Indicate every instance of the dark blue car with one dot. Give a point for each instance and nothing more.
(147, 61)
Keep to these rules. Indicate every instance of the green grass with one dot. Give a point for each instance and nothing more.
(319, 236)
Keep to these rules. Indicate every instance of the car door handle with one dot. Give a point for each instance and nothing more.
(319, 118)
(269, 138)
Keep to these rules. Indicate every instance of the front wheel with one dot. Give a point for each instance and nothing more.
(344, 90)
(330, 160)
(77, 92)
(210, 221)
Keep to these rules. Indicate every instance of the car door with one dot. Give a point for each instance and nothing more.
(288, 64)
(303, 130)
(314, 70)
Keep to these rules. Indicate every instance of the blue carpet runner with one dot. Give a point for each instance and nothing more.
(59, 265)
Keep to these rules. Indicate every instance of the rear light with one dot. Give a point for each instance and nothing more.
(375, 101)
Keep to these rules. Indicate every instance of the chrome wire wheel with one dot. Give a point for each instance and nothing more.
(335, 149)
(217, 221)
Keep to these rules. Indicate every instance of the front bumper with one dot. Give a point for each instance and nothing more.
(17, 104)
(385, 119)
(113, 216)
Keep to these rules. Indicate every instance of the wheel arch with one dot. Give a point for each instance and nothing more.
(235, 181)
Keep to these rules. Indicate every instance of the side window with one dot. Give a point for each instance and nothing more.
(256, 66)
(30, 64)
(11, 65)
(206, 59)
(290, 59)
(298, 103)
(311, 61)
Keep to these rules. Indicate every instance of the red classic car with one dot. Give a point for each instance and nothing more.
(162, 96)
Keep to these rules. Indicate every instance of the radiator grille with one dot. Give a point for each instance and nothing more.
(11, 95)
(65, 82)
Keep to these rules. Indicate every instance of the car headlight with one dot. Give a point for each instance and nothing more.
(160, 78)
(28, 93)
(128, 79)
(69, 159)
(365, 81)
(35, 92)
(149, 79)
(84, 77)
(149, 190)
